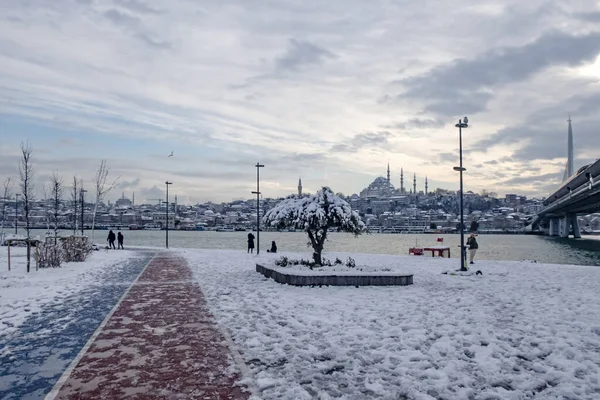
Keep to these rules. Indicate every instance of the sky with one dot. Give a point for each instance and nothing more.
(326, 91)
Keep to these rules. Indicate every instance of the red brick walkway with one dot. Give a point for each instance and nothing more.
(161, 343)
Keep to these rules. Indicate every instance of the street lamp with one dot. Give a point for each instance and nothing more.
(258, 167)
(167, 183)
(82, 192)
(463, 255)
(16, 211)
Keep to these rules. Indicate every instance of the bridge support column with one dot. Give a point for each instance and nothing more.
(565, 225)
(573, 222)
(554, 226)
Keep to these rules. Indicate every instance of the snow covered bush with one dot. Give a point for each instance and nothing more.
(50, 254)
(317, 215)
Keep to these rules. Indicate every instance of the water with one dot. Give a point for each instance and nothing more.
(543, 249)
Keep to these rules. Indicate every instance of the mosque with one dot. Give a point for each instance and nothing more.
(383, 187)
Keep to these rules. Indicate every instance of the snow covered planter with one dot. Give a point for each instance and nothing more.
(315, 214)
(332, 276)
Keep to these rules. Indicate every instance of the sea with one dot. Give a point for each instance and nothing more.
(541, 249)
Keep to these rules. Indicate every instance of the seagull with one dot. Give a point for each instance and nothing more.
(171, 155)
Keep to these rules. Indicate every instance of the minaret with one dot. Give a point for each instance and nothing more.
(401, 180)
(388, 173)
(132, 199)
(299, 187)
(426, 185)
(415, 184)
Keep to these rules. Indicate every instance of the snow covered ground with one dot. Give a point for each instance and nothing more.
(23, 294)
(522, 330)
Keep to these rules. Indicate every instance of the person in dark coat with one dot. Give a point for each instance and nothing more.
(111, 240)
(273, 248)
(120, 240)
(250, 243)
(473, 246)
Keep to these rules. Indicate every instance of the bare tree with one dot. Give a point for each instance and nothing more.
(102, 188)
(8, 187)
(27, 191)
(56, 192)
(75, 201)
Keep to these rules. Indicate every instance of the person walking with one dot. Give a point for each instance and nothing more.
(111, 240)
(250, 243)
(120, 240)
(473, 246)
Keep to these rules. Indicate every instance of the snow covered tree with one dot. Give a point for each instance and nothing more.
(316, 214)
(8, 187)
(27, 191)
(75, 201)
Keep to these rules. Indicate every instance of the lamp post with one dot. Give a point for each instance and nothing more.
(167, 183)
(258, 167)
(82, 192)
(16, 211)
(463, 255)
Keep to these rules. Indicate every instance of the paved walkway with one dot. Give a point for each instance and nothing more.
(34, 357)
(160, 343)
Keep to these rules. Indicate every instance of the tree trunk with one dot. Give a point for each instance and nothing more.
(28, 255)
(317, 258)
(94, 219)
(317, 245)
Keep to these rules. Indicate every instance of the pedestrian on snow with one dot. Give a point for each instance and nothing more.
(473, 246)
(273, 248)
(120, 240)
(111, 240)
(250, 243)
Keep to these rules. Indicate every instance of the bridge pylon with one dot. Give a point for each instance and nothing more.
(568, 223)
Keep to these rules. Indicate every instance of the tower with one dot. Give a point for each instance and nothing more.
(401, 180)
(388, 173)
(415, 184)
(570, 152)
(132, 199)
(426, 186)
(299, 187)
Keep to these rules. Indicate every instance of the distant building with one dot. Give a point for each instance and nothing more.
(123, 202)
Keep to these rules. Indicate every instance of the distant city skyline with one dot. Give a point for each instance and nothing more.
(330, 93)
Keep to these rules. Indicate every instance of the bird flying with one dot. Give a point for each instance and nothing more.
(171, 155)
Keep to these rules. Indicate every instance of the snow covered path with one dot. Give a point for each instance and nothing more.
(39, 348)
(520, 331)
(160, 342)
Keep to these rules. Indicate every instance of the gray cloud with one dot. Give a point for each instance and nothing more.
(363, 140)
(592, 16)
(544, 133)
(300, 54)
(448, 157)
(129, 184)
(417, 123)
(137, 6)
(465, 86)
(544, 179)
(153, 41)
(120, 18)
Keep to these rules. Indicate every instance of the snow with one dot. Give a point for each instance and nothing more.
(23, 294)
(302, 270)
(315, 211)
(522, 330)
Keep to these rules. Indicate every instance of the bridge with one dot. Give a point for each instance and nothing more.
(578, 195)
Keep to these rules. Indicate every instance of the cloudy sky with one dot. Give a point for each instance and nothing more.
(327, 90)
